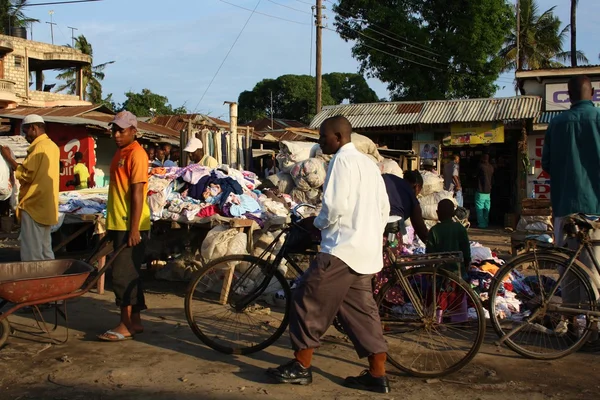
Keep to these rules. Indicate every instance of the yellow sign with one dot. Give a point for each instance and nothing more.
(465, 133)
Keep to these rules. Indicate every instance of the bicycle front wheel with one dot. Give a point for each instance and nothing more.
(433, 327)
(238, 304)
(526, 301)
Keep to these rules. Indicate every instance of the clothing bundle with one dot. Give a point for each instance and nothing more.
(303, 167)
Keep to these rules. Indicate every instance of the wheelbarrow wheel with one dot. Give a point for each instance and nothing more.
(4, 331)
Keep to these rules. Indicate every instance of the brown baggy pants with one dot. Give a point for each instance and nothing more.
(330, 287)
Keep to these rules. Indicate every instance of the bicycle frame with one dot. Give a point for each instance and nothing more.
(585, 243)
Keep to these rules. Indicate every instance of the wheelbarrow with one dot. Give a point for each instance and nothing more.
(32, 284)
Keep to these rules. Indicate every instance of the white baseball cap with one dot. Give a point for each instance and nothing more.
(31, 119)
(193, 145)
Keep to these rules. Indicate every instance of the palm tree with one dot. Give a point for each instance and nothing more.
(540, 40)
(574, 32)
(92, 75)
(11, 14)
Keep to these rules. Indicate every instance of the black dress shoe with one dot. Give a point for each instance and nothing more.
(366, 381)
(292, 372)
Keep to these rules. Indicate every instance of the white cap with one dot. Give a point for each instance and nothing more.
(193, 145)
(31, 119)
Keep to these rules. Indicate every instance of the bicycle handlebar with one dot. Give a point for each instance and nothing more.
(295, 209)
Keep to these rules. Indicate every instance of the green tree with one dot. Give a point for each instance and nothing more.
(351, 87)
(148, 104)
(12, 15)
(428, 49)
(540, 40)
(92, 75)
(294, 96)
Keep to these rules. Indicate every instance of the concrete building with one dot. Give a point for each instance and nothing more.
(551, 86)
(22, 66)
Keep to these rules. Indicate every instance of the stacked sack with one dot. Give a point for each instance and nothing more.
(432, 193)
(304, 167)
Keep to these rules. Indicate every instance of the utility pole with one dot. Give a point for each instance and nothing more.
(272, 125)
(518, 66)
(51, 23)
(319, 73)
(72, 35)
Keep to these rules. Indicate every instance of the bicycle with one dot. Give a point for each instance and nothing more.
(244, 302)
(556, 297)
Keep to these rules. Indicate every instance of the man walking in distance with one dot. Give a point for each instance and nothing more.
(38, 196)
(452, 179)
(483, 200)
(128, 223)
(570, 157)
(353, 218)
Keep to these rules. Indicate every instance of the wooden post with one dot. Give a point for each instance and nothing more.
(101, 264)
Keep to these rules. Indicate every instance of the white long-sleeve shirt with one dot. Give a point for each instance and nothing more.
(355, 211)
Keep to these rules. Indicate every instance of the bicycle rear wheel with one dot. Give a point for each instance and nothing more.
(238, 304)
(434, 330)
(521, 290)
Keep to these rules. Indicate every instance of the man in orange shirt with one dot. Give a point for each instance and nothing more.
(128, 222)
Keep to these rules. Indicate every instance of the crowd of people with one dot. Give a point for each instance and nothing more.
(358, 205)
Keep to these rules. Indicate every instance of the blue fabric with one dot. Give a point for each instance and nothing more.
(401, 194)
(166, 163)
(247, 205)
(482, 206)
(228, 186)
(459, 198)
(224, 148)
(571, 157)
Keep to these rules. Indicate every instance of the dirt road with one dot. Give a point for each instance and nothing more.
(168, 362)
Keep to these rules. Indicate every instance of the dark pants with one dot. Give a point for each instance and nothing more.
(330, 287)
(126, 280)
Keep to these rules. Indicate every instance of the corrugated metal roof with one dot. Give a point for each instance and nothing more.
(290, 134)
(143, 127)
(176, 122)
(374, 115)
(264, 124)
(61, 120)
(56, 111)
(546, 117)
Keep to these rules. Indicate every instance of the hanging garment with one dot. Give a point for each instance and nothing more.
(224, 148)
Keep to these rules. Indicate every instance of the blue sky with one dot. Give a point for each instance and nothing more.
(174, 48)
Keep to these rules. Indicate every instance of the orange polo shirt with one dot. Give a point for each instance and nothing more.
(129, 166)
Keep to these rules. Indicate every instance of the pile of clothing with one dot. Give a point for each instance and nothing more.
(304, 168)
(83, 202)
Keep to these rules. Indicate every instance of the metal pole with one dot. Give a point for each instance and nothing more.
(51, 12)
(518, 43)
(319, 72)
(272, 124)
(72, 35)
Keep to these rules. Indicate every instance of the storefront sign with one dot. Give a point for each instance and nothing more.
(539, 182)
(476, 133)
(557, 96)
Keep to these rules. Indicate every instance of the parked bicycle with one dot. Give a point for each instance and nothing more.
(556, 305)
(240, 304)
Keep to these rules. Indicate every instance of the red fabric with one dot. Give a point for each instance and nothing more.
(208, 211)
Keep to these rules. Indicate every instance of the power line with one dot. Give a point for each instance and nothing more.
(405, 41)
(304, 2)
(395, 47)
(286, 6)
(227, 55)
(266, 15)
(394, 55)
(60, 2)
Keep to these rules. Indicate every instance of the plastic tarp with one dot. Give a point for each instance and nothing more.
(291, 153)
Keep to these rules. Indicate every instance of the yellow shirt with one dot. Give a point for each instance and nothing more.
(208, 161)
(129, 166)
(39, 175)
(81, 170)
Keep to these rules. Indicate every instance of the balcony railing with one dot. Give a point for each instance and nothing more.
(7, 86)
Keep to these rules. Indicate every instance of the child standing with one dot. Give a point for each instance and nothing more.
(449, 236)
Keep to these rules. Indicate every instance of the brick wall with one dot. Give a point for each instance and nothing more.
(15, 66)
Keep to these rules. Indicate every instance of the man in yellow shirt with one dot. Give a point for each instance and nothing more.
(81, 173)
(38, 196)
(128, 223)
(194, 147)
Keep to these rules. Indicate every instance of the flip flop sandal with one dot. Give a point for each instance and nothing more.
(118, 337)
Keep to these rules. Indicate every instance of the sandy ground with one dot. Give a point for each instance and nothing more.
(169, 362)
